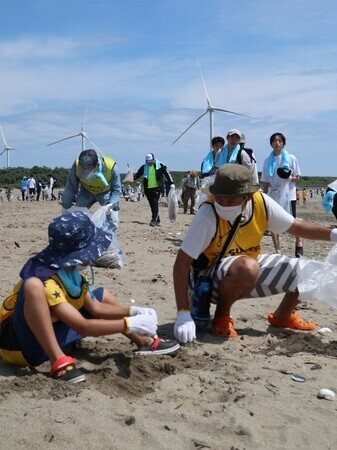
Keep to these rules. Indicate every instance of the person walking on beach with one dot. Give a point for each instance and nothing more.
(304, 196)
(31, 187)
(210, 159)
(51, 187)
(280, 174)
(234, 203)
(53, 307)
(234, 153)
(190, 188)
(153, 173)
(24, 188)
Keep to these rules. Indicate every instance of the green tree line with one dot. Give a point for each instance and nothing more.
(12, 176)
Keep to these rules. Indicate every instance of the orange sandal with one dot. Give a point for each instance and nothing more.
(294, 322)
(223, 327)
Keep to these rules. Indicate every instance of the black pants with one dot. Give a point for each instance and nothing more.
(153, 197)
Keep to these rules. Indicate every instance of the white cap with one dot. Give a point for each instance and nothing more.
(234, 131)
(149, 157)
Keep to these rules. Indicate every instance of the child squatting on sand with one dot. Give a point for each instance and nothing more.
(53, 307)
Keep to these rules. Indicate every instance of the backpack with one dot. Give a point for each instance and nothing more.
(250, 153)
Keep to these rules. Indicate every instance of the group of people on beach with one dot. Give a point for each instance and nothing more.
(53, 305)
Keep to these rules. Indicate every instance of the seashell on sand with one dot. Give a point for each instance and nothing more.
(327, 394)
(324, 330)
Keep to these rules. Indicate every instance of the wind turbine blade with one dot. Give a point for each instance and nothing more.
(196, 120)
(64, 139)
(3, 151)
(232, 112)
(203, 82)
(3, 137)
(85, 116)
(86, 137)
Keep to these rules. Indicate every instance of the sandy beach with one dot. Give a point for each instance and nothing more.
(213, 394)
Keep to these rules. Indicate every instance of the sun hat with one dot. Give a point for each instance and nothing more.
(87, 163)
(234, 131)
(73, 240)
(149, 157)
(232, 180)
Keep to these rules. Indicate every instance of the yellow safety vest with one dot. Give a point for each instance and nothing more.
(247, 240)
(96, 186)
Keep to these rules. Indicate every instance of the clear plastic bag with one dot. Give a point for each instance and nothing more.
(129, 175)
(202, 196)
(317, 280)
(173, 205)
(106, 219)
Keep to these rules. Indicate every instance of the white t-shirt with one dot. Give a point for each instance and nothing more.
(203, 226)
(275, 181)
(31, 183)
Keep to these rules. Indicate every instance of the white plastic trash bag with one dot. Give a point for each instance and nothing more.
(317, 280)
(173, 205)
(201, 196)
(129, 175)
(106, 219)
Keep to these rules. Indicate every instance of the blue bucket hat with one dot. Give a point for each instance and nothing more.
(73, 240)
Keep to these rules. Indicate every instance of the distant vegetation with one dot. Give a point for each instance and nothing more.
(11, 177)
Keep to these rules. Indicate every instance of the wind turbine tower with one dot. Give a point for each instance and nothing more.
(7, 148)
(209, 110)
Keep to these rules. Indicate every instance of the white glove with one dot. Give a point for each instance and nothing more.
(136, 310)
(141, 324)
(184, 327)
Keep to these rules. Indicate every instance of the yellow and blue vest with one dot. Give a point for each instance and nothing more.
(96, 186)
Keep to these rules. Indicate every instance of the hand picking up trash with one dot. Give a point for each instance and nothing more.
(53, 305)
(223, 247)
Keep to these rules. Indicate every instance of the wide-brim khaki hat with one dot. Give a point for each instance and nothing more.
(232, 180)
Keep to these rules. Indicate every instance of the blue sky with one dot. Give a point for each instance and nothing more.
(133, 65)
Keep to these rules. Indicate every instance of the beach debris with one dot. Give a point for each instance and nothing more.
(298, 378)
(16, 244)
(132, 300)
(324, 330)
(314, 366)
(327, 394)
(130, 420)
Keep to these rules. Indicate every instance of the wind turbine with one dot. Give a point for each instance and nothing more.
(6, 149)
(209, 110)
(82, 133)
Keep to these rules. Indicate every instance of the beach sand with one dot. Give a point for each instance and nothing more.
(213, 394)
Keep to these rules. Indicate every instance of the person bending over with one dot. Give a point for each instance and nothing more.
(53, 307)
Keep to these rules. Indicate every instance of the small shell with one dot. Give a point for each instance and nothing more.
(298, 378)
(327, 394)
(324, 330)
(132, 300)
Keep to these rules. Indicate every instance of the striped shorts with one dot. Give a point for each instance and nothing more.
(278, 274)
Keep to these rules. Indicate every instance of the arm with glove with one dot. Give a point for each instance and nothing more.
(184, 327)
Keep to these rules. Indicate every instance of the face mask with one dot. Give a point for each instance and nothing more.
(97, 173)
(229, 213)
